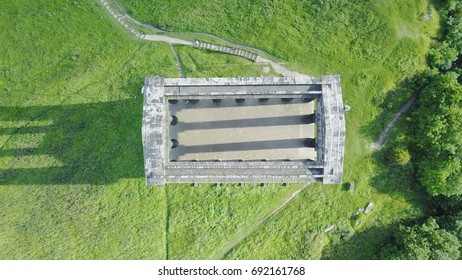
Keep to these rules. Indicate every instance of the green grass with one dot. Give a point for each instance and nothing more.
(205, 63)
(71, 163)
(201, 226)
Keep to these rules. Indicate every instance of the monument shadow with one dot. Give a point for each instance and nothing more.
(94, 143)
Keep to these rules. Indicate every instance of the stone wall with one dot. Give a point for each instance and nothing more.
(328, 168)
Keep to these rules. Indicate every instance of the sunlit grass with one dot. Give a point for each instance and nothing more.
(70, 102)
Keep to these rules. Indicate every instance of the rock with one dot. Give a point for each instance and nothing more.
(368, 207)
(330, 228)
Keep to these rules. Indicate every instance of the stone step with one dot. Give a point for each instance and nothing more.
(225, 49)
(238, 178)
(301, 171)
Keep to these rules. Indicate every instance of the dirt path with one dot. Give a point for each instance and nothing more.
(178, 62)
(167, 39)
(167, 222)
(116, 10)
(122, 17)
(247, 232)
(383, 135)
(279, 68)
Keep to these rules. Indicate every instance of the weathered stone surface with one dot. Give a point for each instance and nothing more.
(329, 229)
(369, 207)
(225, 49)
(326, 167)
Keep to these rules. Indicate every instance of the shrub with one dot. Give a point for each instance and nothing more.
(442, 56)
(400, 156)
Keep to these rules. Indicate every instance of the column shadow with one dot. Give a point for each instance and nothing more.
(95, 143)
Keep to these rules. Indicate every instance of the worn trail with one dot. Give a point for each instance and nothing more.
(383, 135)
(119, 14)
(247, 232)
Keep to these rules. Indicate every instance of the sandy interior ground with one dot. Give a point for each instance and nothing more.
(252, 130)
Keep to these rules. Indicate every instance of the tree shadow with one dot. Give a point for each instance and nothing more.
(390, 103)
(95, 143)
(363, 245)
(390, 178)
(440, 5)
(395, 179)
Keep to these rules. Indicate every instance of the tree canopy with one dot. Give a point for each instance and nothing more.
(400, 156)
(423, 242)
(439, 135)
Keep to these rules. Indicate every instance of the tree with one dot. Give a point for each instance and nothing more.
(422, 242)
(442, 56)
(453, 27)
(438, 135)
(400, 156)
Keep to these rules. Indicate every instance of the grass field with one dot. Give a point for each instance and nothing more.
(71, 167)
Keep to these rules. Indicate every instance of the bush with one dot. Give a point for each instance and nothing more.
(400, 156)
(442, 56)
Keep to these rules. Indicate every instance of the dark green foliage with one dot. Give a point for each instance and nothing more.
(454, 25)
(422, 242)
(439, 136)
(442, 56)
(438, 150)
(458, 226)
(443, 205)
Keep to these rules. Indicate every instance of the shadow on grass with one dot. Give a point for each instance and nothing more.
(365, 245)
(389, 105)
(394, 179)
(391, 179)
(96, 143)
